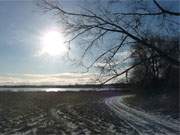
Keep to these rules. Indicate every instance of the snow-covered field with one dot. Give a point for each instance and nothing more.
(59, 113)
(76, 113)
(144, 123)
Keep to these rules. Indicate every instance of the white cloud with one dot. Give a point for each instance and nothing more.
(48, 79)
(123, 55)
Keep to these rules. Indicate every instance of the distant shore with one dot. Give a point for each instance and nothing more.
(119, 85)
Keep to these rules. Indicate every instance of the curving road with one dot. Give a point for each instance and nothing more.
(143, 123)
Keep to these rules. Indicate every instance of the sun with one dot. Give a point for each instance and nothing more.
(52, 43)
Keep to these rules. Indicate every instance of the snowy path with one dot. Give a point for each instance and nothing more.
(143, 123)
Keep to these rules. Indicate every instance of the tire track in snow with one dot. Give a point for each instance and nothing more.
(143, 123)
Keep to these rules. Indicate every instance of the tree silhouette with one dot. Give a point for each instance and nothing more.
(155, 71)
(125, 23)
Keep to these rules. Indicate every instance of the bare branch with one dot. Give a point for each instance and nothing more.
(165, 11)
(114, 53)
(92, 43)
(100, 56)
(117, 28)
(127, 70)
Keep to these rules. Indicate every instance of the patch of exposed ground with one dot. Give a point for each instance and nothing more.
(59, 113)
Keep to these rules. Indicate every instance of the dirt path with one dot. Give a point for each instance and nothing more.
(143, 123)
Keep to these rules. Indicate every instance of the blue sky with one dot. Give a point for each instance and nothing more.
(21, 27)
(22, 24)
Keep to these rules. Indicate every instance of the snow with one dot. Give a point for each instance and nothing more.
(142, 122)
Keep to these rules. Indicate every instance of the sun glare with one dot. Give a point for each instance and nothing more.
(52, 43)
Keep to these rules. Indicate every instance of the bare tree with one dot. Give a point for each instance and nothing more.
(115, 25)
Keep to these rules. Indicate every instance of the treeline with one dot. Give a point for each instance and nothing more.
(116, 85)
(154, 73)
